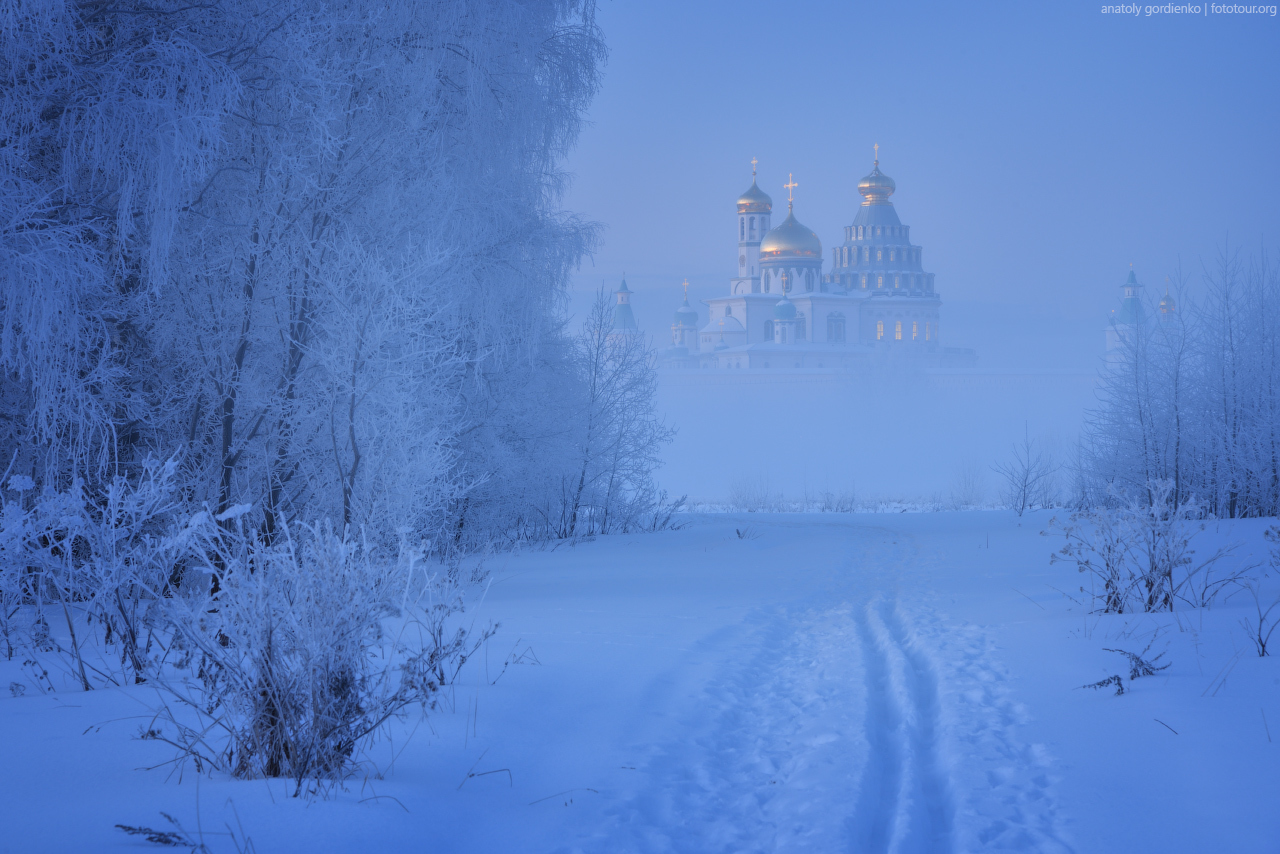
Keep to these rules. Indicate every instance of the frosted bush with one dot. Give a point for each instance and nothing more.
(1138, 554)
(308, 647)
(94, 562)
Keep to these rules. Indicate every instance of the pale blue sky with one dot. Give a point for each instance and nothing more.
(1038, 148)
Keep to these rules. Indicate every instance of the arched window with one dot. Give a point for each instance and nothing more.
(915, 330)
(926, 330)
(782, 335)
(879, 254)
(879, 329)
(800, 331)
(753, 228)
(890, 254)
(808, 280)
(835, 327)
(766, 281)
(728, 311)
(742, 228)
(897, 331)
(768, 330)
(879, 281)
(895, 281)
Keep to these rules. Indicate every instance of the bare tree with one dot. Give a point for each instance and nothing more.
(1026, 474)
(621, 435)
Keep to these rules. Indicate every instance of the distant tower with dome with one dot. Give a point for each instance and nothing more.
(877, 305)
(1128, 321)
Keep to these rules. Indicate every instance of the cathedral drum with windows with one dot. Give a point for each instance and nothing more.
(782, 313)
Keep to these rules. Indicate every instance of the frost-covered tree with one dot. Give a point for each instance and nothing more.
(110, 117)
(311, 253)
(611, 486)
(1192, 397)
(316, 247)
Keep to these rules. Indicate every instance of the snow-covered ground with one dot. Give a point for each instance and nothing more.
(870, 682)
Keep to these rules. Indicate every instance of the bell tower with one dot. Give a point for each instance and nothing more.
(754, 209)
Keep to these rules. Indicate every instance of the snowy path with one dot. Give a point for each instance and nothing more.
(831, 737)
(767, 683)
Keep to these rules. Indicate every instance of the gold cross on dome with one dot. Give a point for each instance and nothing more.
(877, 148)
(686, 290)
(790, 185)
(753, 167)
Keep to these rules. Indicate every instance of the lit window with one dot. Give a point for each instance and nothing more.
(890, 254)
(926, 330)
(879, 281)
(897, 331)
(895, 281)
(879, 329)
(915, 330)
(879, 254)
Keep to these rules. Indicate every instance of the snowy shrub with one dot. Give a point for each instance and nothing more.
(754, 495)
(1264, 625)
(1138, 554)
(101, 562)
(837, 502)
(307, 648)
(1138, 667)
(968, 489)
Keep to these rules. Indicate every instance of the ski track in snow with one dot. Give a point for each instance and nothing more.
(905, 804)
(856, 728)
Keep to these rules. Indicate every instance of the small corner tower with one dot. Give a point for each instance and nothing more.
(684, 328)
(754, 210)
(1168, 307)
(1126, 319)
(624, 321)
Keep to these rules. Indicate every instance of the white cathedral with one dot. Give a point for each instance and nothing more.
(782, 313)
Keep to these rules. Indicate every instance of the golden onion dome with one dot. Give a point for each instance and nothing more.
(877, 187)
(754, 200)
(790, 240)
(1167, 305)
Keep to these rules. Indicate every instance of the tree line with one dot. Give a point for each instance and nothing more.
(316, 250)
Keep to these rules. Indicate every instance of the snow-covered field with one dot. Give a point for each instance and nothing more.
(884, 682)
